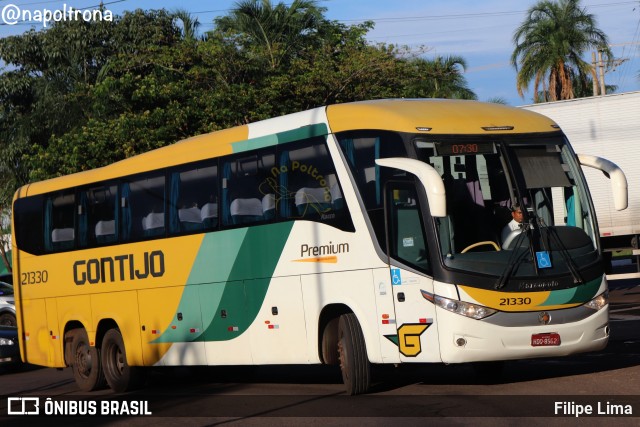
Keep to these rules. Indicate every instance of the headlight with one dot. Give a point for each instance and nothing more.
(464, 308)
(6, 341)
(598, 302)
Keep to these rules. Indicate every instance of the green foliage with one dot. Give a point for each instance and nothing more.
(82, 95)
(550, 44)
(441, 78)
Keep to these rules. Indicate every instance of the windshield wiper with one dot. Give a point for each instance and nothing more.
(515, 259)
(564, 253)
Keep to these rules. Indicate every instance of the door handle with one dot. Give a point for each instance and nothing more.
(400, 296)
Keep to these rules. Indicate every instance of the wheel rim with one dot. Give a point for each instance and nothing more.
(84, 361)
(115, 361)
(119, 360)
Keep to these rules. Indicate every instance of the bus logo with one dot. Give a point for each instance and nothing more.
(408, 338)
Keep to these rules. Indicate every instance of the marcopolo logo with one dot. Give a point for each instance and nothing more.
(12, 14)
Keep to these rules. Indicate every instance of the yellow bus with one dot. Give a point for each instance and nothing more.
(353, 234)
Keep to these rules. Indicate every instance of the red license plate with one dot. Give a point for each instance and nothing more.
(541, 340)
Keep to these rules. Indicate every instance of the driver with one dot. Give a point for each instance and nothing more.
(515, 223)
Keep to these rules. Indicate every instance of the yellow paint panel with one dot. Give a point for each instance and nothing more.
(509, 301)
(55, 356)
(108, 299)
(63, 269)
(442, 116)
(35, 346)
(122, 307)
(76, 309)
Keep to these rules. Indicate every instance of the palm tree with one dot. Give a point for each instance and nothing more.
(441, 77)
(279, 29)
(189, 24)
(550, 44)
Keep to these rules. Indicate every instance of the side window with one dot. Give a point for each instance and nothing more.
(361, 149)
(306, 185)
(59, 221)
(406, 231)
(193, 199)
(142, 208)
(29, 222)
(98, 212)
(247, 196)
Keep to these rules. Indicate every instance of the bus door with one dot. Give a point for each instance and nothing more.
(409, 273)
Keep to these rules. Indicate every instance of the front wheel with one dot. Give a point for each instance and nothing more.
(119, 375)
(354, 364)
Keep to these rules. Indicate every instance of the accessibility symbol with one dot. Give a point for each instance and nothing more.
(395, 276)
(544, 261)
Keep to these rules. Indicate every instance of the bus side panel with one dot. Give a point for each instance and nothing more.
(224, 309)
(36, 345)
(159, 316)
(76, 308)
(278, 334)
(351, 288)
(56, 355)
(386, 311)
(122, 307)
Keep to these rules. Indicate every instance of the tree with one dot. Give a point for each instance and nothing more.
(189, 24)
(441, 77)
(550, 44)
(280, 30)
(146, 80)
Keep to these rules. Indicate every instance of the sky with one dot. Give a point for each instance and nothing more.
(479, 31)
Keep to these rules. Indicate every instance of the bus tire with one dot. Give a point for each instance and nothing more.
(85, 362)
(330, 355)
(119, 375)
(354, 363)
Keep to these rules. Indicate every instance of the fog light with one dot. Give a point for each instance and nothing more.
(461, 342)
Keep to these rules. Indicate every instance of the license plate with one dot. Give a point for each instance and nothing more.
(541, 340)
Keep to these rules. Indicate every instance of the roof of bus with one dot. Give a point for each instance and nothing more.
(441, 116)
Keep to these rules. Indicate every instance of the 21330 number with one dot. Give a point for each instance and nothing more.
(515, 301)
(34, 277)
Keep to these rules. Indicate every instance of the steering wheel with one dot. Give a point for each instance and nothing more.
(486, 242)
(510, 238)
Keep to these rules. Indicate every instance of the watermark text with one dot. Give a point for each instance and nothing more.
(13, 14)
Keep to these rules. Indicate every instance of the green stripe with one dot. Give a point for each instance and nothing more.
(231, 273)
(576, 295)
(301, 133)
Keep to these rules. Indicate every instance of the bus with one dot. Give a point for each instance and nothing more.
(351, 234)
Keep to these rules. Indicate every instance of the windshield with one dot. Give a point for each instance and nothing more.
(517, 205)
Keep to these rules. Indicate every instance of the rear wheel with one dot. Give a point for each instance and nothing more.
(85, 362)
(354, 364)
(119, 375)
